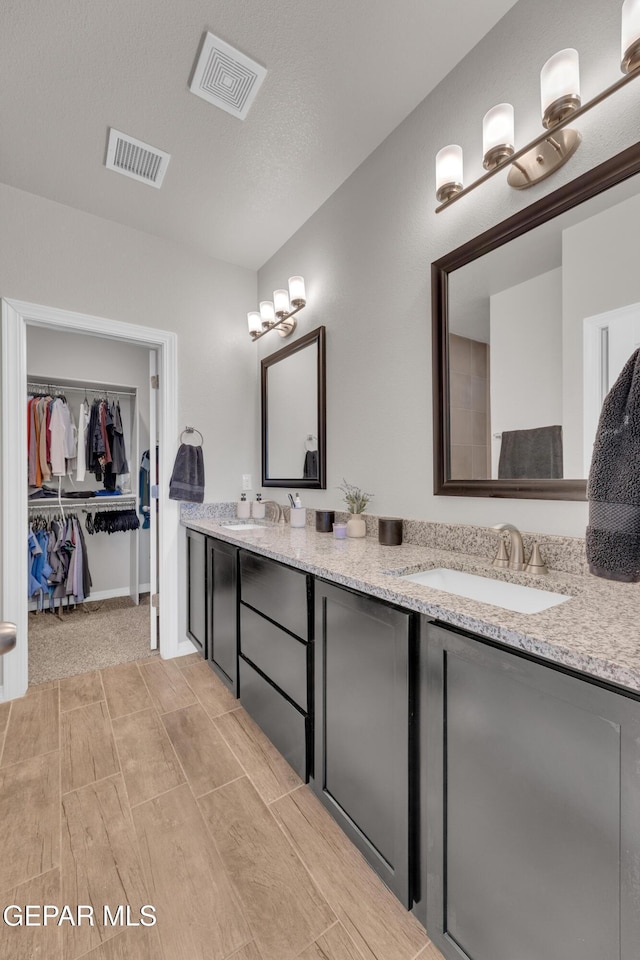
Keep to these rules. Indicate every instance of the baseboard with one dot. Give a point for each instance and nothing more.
(184, 648)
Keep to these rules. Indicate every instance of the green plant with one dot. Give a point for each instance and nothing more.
(355, 498)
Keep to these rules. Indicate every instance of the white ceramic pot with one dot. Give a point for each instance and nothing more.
(356, 526)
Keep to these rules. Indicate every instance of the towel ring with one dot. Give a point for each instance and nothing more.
(189, 430)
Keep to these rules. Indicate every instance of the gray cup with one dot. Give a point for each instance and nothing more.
(390, 531)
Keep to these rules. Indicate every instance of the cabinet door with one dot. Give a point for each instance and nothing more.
(222, 560)
(197, 589)
(532, 813)
(362, 713)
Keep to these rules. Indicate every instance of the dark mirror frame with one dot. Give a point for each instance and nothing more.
(624, 165)
(316, 336)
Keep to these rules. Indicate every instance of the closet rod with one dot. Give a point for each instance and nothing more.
(98, 388)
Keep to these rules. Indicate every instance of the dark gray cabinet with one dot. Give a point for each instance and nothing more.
(363, 708)
(275, 655)
(532, 841)
(197, 590)
(222, 607)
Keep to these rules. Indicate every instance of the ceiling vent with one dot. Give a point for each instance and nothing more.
(225, 77)
(136, 159)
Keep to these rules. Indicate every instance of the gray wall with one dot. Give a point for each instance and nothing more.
(366, 255)
(600, 274)
(526, 358)
(54, 255)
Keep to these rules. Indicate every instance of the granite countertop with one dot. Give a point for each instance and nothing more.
(596, 632)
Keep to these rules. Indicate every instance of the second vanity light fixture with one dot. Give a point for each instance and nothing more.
(561, 103)
(278, 314)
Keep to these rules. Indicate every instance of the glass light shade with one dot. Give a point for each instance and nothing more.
(498, 131)
(449, 177)
(255, 322)
(296, 290)
(267, 315)
(630, 35)
(560, 86)
(281, 302)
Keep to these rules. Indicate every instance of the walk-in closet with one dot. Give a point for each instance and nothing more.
(92, 520)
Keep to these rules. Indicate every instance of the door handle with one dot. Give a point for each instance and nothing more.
(7, 636)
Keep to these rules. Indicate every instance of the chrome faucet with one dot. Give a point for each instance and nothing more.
(515, 560)
(278, 511)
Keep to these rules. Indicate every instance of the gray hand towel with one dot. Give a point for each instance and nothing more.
(187, 479)
(613, 534)
(534, 454)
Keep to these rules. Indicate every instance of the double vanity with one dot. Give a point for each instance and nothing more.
(484, 760)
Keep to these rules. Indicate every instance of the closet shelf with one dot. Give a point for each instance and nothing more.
(52, 502)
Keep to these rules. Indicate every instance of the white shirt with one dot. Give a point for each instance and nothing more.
(83, 423)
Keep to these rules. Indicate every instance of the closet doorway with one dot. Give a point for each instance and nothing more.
(98, 397)
(22, 325)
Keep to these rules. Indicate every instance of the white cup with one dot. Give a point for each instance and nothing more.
(298, 517)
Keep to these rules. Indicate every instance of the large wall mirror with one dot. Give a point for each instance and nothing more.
(532, 323)
(294, 414)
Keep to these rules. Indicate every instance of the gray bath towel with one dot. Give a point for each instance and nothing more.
(187, 479)
(531, 454)
(613, 534)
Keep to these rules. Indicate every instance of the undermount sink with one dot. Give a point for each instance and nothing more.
(500, 593)
(242, 524)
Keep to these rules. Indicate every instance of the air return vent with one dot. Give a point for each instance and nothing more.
(136, 159)
(225, 77)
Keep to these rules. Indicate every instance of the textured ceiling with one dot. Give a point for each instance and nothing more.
(341, 75)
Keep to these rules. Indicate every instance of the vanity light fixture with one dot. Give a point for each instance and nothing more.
(561, 104)
(278, 314)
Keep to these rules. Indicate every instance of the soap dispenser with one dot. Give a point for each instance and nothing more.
(243, 507)
(258, 508)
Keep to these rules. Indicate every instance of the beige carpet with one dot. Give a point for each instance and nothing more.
(92, 636)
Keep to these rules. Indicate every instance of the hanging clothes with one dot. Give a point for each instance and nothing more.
(118, 451)
(51, 438)
(58, 562)
(145, 490)
(105, 453)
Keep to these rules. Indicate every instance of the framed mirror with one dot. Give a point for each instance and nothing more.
(532, 323)
(293, 389)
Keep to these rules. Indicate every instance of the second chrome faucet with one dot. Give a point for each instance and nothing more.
(515, 559)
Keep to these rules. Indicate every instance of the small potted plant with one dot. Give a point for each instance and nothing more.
(356, 501)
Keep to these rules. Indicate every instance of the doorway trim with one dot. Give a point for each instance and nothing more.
(16, 316)
(595, 370)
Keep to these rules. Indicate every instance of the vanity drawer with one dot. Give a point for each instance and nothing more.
(285, 726)
(278, 592)
(276, 653)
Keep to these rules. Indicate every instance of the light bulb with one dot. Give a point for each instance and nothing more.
(630, 36)
(297, 293)
(560, 86)
(497, 135)
(267, 316)
(449, 178)
(255, 322)
(281, 302)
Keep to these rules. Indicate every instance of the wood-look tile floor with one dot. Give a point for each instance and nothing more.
(149, 784)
